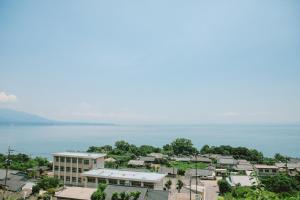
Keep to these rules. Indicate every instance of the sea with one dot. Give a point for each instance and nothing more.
(44, 140)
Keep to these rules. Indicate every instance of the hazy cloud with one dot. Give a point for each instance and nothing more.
(7, 98)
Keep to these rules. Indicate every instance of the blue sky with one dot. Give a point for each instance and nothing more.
(152, 61)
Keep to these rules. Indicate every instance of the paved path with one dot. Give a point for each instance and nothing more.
(211, 189)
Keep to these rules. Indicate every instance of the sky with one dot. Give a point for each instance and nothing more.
(178, 62)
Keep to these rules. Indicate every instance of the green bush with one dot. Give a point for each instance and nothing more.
(224, 186)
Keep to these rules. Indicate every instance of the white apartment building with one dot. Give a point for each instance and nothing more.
(121, 177)
(69, 166)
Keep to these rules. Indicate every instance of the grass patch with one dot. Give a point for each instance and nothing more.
(188, 165)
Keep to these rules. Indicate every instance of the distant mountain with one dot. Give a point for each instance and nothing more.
(13, 117)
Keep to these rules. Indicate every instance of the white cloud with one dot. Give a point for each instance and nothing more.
(7, 98)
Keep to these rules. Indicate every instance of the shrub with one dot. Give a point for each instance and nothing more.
(224, 186)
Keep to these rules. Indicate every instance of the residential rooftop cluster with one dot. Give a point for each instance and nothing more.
(154, 175)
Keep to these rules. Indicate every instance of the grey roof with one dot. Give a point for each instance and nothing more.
(157, 195)
(147, 158)
(15, 180)
(243, 167)
(200, 172)
(242, 180)
(125, 175)
(167, 170)
(227, 161)
(201, 159)
(289, 165)
(157, 155)
(80, 154)
(136, 162)
(181, 159)
(110, 189)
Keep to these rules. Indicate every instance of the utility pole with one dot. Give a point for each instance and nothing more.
(196, 174)
(191, 188)
(286, 167)
(7, 163)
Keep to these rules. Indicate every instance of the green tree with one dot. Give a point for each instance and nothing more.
(48, 182)
(98, 195)
(205, 149)
(181, 172)
(122, 145)
(183, 146)
(101, 187)
(179, 185)
(224, 186)
(35, 189)
(115, 196)
(135, 195)
(168, 184)
(281, 183)
(279, 157)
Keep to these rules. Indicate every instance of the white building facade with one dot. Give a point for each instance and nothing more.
(127, 178)
(69, 166)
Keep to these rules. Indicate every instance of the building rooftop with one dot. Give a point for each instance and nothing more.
(79, 193)
(147, 158)
(15, 180)
(241, 180)
(200, 172)
(125, 175)
(227, 161)
(265, 167)
(136, 162)
(243, 167)
(167, 170)
(157, 155)
(80, 154)
(289, 165)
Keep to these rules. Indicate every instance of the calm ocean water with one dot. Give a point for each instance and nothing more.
(43, 140)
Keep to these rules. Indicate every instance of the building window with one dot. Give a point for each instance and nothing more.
(73, 169)
(62, 169)
(260, 170)
(136, 183)
(79, 170)
(68, 178)
(113, 181)
(86, 170)
(68, 160)
(91, 180)
(67, 169)
(274, 170)
(56, 168)
(62, 159)
(149, 185)
(79, 160)
(56, 158)
(61, 177)
(73, 179)
(95, 161)
(101, 180)
(86, 162)
(79, 180)
(122, 182)
(74, 160)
